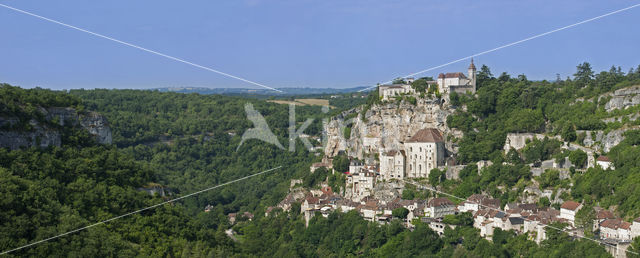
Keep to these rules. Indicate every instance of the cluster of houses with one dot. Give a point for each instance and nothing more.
(523, 218)
(421, 153)
(447, 83)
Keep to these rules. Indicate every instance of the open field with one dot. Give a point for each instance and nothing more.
(317, 102)
(303, 102)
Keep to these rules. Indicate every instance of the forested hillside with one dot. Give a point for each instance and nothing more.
(507, 105)
(181, 142)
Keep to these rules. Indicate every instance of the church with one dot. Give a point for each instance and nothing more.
(422, 152)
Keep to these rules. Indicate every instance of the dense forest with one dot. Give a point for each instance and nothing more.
(183, 143)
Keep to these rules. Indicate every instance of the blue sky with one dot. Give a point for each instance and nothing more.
(302, 43)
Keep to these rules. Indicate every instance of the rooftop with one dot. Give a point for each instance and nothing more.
(452, 75)
(427, 135)
(570, 205)
(435, 202)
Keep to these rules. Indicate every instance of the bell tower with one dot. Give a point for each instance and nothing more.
(472, 75)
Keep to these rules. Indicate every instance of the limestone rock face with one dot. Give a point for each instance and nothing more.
(47, 132)
(623, 98)
(385, 127)
(40, 136)
(97, 126)
(599, 141)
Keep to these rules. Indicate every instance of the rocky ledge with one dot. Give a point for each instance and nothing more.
(46, 133)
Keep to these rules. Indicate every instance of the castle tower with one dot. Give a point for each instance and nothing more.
(472, 74)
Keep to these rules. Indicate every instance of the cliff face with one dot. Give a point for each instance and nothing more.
(623, 98)
(385, 127)
(46, 133)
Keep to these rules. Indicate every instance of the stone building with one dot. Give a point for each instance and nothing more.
(439, 207)
(392, 164)
(458, 82)
(424, 152)
(635, 228)
(387, 92)
(361, 182)
(568, 211)
(604, 162)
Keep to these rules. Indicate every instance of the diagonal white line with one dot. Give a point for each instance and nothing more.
(134, 212)
(139, 47)
(511, 44)
(491, 208)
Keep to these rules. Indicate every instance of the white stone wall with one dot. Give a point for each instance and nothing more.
(635, 229)
(440, 211)
(422, 157)
(569, 215)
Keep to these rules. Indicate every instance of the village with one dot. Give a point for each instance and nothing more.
(379, 172)
(374, 186)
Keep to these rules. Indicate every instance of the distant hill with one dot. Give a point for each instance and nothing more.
(244, 91)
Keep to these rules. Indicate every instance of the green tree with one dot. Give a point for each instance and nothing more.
(578, 158)
(341, 163)
(569, 133)
(436, 176)
(420, 85)
(584, 74)
(401, 212)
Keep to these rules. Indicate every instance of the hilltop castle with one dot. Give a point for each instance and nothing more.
(447, 83)
(458, 82)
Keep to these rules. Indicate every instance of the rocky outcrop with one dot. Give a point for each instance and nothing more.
(385, 127)
(97, 126)
(517, 141)
(40, 136)
(622, 98)
(47, 132)
(600, 141)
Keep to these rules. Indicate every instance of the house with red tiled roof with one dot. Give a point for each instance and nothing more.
(424, 152)
(439, 207)
(477, 202)
(615, 229)
(604, 162)
(602, 215)
(568, 211)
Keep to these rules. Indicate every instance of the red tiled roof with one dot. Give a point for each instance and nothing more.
(439, 202)
(603, 158)
(427, 135)
(615, 224)
(312, 200)
(605, 214)
(452, 75)
(625, 225)
(570, 205)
